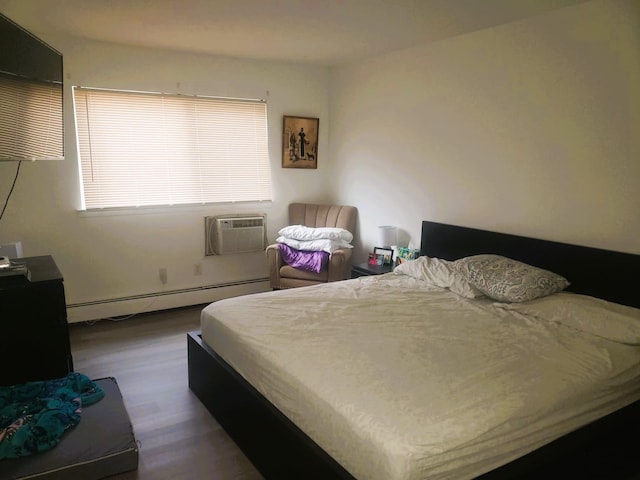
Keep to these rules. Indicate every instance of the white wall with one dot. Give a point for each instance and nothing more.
(527, 128)
(112, 256)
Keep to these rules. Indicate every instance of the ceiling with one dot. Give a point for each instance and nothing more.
(319, 32)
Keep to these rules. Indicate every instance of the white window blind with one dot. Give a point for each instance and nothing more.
(30, 119)
(142, 149)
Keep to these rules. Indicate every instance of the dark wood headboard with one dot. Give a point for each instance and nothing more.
(600, 273)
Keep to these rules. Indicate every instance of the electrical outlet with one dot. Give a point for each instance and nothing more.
(197, 269)
(162, 273)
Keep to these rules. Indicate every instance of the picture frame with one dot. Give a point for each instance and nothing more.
(376, 259)
(300, 142)
(386, 253)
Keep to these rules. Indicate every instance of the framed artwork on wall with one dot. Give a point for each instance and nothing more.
(300, 142)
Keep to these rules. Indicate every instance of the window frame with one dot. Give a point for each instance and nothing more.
(174, 147)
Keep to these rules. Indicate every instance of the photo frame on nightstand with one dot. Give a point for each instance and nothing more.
(376, 259)
(387, 254)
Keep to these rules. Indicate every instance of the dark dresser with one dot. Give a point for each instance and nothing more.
(34, 333)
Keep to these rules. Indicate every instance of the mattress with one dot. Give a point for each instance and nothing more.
(400, 380)
(101, 445)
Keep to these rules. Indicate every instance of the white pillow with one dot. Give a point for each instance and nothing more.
(302, 232)
(324, 244)
(596, 316)
(431, 270)
(463, 288)
(439, 273)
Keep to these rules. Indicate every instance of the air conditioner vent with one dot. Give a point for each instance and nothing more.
(226, 234)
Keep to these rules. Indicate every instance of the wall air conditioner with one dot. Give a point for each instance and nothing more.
(241, 234)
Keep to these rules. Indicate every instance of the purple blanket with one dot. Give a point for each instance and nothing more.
(310, 261)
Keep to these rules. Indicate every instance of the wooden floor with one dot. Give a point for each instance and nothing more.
(147, 355)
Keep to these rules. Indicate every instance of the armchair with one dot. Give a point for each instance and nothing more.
(282, 275)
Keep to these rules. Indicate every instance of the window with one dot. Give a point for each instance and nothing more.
(142, 149)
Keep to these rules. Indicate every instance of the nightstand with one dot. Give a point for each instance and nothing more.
(364, 269)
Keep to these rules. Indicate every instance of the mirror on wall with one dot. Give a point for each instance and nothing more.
(31, 94)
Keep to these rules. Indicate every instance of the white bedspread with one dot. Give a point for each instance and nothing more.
(399, 380)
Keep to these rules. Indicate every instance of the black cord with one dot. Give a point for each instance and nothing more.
(11, 191)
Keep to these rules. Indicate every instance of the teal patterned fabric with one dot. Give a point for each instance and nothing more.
(507, 280)
(35, 415)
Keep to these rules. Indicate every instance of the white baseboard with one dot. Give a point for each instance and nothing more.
(119, 307)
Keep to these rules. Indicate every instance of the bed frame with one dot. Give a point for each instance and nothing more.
(281, 451)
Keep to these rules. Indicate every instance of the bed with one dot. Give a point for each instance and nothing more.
(336, 404)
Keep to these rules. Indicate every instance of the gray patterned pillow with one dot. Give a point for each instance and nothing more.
(508, 280)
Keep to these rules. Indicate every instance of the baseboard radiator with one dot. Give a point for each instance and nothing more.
(162, 300)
